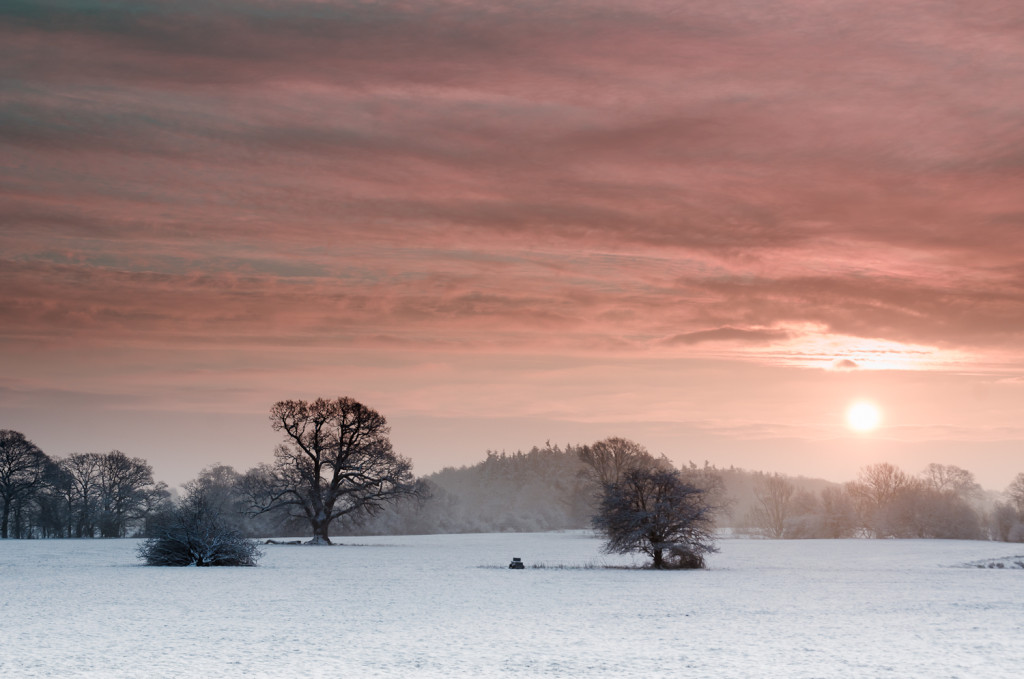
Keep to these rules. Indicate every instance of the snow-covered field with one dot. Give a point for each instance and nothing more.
(447, 606)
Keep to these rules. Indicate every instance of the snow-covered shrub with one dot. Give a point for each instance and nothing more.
(195, 533)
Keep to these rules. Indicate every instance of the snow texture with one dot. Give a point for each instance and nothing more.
(432, 606)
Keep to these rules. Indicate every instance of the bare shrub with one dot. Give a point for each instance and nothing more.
(195, 533)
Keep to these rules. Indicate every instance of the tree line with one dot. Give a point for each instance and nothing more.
(336, 471)
(943, 501)
(83, 495)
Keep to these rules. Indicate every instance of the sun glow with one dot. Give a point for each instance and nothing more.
(863, 416)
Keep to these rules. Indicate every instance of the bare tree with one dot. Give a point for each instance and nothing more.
(1015, 492)
(606, 461)
(23, 467)
(881, 482)
(336, 460)
(936, 505)
(919, 511)
(80, 489)
(774, 495)
(839, 515)
(222, 487)
(656, 512)
(110, 494)
(708, 478)
(49, 520)
(124, 484)
(1005, 523)
(948, 478)
(1007, 518)
(877, 486)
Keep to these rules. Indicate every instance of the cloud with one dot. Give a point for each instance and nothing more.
(728, 334)
(844, 364)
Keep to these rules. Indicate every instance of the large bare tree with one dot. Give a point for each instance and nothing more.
(336, 460)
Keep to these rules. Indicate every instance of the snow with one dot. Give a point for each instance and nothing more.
(448, 606)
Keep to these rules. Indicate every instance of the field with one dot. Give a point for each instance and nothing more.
(448, 606)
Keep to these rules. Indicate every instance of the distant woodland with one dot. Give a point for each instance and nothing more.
(547, 488)
(88, 495)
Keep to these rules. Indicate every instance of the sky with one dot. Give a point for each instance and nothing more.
(708, 226)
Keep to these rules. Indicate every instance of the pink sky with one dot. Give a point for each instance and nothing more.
(707, 226)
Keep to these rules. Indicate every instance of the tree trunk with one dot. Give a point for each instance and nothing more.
(320, 527)
(658, 561)
(7, 516)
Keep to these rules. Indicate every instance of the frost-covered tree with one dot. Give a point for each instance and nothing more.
(222, 486)
(336, 460)
(657, 512)
(197, 532)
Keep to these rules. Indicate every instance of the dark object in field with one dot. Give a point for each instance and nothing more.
(517, 563)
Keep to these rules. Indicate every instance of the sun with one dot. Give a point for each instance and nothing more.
(863, 416)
